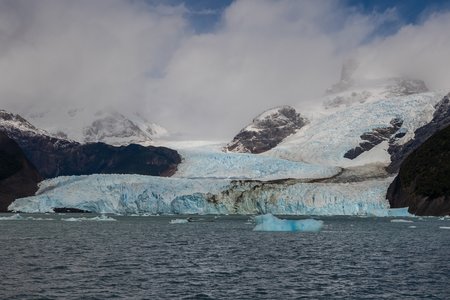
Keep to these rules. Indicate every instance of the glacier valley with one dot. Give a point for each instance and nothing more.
(306, 174)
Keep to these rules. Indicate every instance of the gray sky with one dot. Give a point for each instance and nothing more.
(208, 84)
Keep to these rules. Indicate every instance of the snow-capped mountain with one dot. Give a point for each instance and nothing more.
(107, 125)
(55, 156)
(351, 90)
(267, 130)
(331, 161)
(13, 124)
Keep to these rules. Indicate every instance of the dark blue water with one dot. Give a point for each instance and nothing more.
(148, 258)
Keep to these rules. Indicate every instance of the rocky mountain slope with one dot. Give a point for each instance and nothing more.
(267, 130)
(18, 177)
(440, 120)
(54, 156)
(423, 182)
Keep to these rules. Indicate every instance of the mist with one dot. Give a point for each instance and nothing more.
(147, 57)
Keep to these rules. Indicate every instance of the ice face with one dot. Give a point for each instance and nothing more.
(135, 194)
(268, 222)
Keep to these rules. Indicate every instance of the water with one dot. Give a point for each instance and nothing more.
(149, 258)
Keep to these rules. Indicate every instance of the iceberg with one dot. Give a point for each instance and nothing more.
(179, 221)
(401, 221)
(269, 222)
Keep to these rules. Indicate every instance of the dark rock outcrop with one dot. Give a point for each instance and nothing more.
(423, 182)
(267, 130)
(18, 177)
(375, 137)
(441, 119)
(54, 156)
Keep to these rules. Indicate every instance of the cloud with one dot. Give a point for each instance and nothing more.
(147, 57)
(265, 53)
(418, 51)
(83, 52)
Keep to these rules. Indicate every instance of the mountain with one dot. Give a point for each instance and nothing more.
(267, 130)
(353, 88)
(18, 177)
(54, 156)
(440, 120)
(88, 125)
(423, 181)
(332, 159)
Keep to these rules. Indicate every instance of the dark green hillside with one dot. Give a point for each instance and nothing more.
(423, 183)
(18, 177)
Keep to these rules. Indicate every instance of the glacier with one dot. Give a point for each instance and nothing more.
(330, 135)
(136, 194)
(269, 222)
(307, 174)
(217, 164)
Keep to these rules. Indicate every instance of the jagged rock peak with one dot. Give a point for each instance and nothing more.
(346, 81)
(355, 87)
(267, 130)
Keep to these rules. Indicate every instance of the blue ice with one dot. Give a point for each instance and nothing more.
(269, 222)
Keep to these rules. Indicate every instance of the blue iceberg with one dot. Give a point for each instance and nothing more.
(269, 222)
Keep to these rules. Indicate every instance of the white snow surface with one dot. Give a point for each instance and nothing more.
(329, 136)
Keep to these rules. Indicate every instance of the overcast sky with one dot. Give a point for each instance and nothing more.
(206, 68)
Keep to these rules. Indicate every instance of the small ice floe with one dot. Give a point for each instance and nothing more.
(401, 221)
(179, 221)
(412, 226)
(18, 217)
(15, 217)
(268, 222)
(444, 227)
(98, 218)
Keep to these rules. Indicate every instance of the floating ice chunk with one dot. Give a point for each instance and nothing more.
(444, 227)
(412, 226)
(390, 212)
(268, 222)
(179, 221)
(399, 212)
(18, 217)
(98, 218)
(401, 221)
(15, 217)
